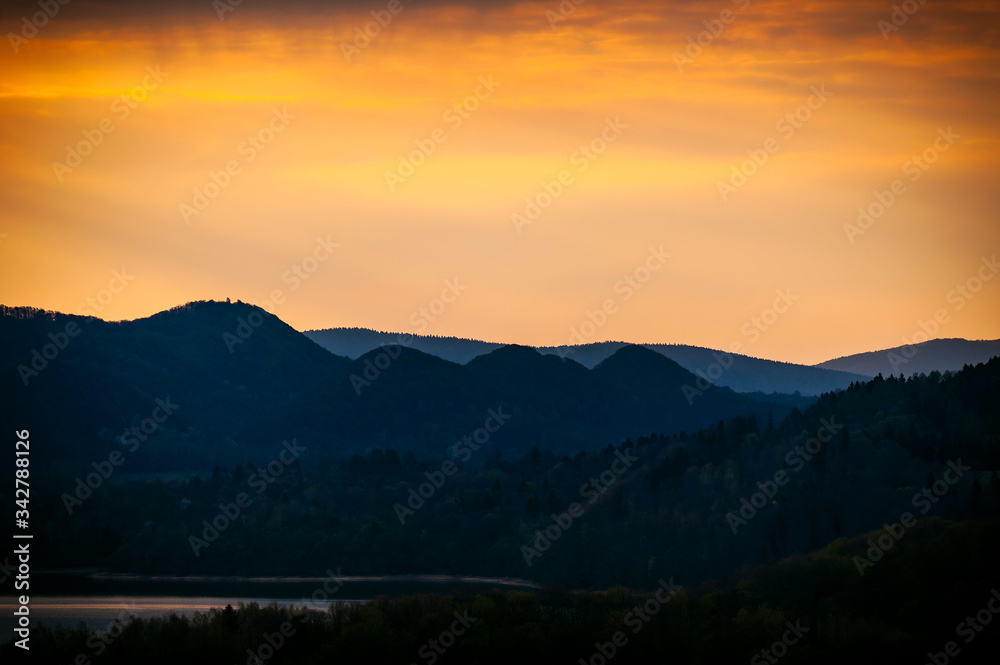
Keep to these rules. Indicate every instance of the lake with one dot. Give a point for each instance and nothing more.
(68, 599)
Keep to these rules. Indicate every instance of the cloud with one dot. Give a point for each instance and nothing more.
(657, 185)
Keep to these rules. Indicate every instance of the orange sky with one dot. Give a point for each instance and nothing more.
(668, 132)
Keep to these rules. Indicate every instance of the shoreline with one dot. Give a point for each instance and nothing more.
(97, 574)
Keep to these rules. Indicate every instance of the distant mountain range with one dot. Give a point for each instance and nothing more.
(939, 355)
(743, 374)
(740, 373)
(244, 381)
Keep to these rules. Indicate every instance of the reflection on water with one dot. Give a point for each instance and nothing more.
(99, 612)
(98, 600)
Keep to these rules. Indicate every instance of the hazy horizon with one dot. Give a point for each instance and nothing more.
(402, 334)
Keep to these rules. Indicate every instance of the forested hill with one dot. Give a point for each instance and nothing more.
(742, 373)
(934, 355)
(244, 381)
(696, 506)
(813, 610)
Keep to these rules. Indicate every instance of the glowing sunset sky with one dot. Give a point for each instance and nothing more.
(667, 129)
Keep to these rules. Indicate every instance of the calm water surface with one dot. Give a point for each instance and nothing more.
(68, 599)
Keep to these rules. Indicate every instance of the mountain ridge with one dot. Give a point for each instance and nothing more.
(739, 372)
(244, 381)
(742, 373)
(940, 355)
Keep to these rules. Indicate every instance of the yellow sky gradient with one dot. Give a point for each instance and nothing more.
(656, 184)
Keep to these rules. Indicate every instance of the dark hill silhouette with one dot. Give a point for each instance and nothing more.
(646, 386)
(391, 396)
(745, 374)
(939, 355)
(109, 375)
(355, 342)
(421, 403)
(244, 382)
(517, 372)
(560, 399)
(631, 363)
(879, 447)
(749, 374)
